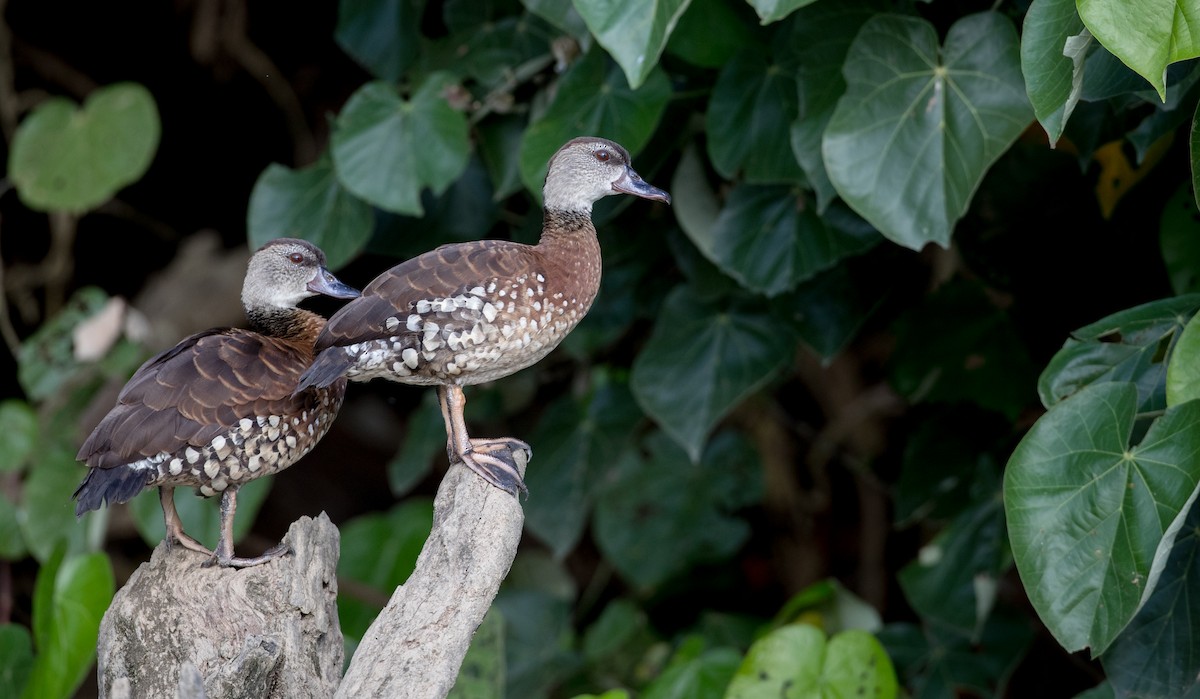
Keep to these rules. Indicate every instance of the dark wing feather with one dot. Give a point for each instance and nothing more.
(195, 391)
(440, 273)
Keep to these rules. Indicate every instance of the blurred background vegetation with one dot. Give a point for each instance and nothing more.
(787, 417)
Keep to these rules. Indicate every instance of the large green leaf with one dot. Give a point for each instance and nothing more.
(18, 434)
(798, 661)
(1130, 345)
(592, 99)
(382, 35)
(1053, 49)
(633, 31)
(309, 204)
(387, 149)
(749, 116)
(818, 38)
(1147, 35)
(69, 601)
(659, 516)
(379, 552)
(1183, 369)
(577, 443)
(775, 10)
(1179, 240)
(16, 659)
(201, 517)
(1158, 655)
(1091, 517)
(941, 663)
(705, 356)
(695, 675)
(920, 124)
(70, 159)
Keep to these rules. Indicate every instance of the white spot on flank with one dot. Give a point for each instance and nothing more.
(191, 454)
(212, 468)
(489, 312)
(410, 357)
(540, 278)
(423, 306)
(414, 323)
(391, 324)
(291, 442)
(273, 420)
(245, 423)
(176, 467)
(478, 291)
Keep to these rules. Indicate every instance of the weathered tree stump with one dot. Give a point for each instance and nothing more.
(266, 631)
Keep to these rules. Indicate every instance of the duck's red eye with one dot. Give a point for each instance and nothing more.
(296, 257)
(602, 155)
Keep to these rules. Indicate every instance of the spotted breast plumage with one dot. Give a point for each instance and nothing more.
(221, 408)
(468, 313)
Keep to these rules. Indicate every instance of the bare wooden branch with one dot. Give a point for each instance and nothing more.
(176, 629)
(417, 643)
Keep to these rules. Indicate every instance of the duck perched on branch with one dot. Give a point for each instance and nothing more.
(221, 408)
(468, 313)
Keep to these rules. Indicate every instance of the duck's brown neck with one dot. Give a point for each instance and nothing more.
(571, 252)
(293, 324)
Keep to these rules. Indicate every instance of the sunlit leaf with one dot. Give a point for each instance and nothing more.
(799, 661)
(633, 31)
(74, 596)
(71, 159)
(1157, 655)
(749, 116)
(201, 517)
(829, 606)
(387, 149)
(703, 357)
(592, 99)
(379, 552)
(382, 35)
(1053, 49)
(1130, 345)
(1092, 517)
(920, 124)
(309, 204)
(1147, 35)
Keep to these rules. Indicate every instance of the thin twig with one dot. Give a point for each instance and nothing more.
(59, 265)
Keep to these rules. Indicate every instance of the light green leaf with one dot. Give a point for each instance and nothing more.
(382, 35)
(749, 116)
(1146, 35)
(18, 434)
(775, 10)
(387, 149)
(1183, 369)
(309, 204)
(656, 518)
(1179, 240)
(593, 100)
(1091, 517)
(835, 608)
(481, 675)
(920, 124)
(577, 442)
(69, 159)
(1157, 655)
(70, 600)
(201, 517)
(818, 38)
(704, 357)
(1053, 48)
(16, 659)
(379, 552)
(1130, 345)
(634, 32)
(797, 661)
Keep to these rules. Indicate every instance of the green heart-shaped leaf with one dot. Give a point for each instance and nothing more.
(1091, 517)
(387, 149)
(749, 116)
(920, 124)
(798, 661)
(69, 159)
(775, 10)
(1147, 35)
(703, 357)
(309, 204)
(1053, 49)
(592, 99)
(633, 31)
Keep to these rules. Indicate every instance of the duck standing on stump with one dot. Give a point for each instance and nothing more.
(221, 408)
(468, 313)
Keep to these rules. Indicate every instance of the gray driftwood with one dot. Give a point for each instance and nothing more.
(178, 630)
(416, 645)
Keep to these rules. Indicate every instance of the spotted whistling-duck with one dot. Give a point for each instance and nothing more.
(468, 313)
(221, 408)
